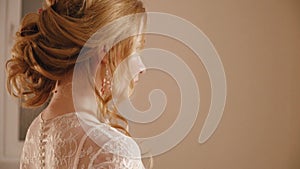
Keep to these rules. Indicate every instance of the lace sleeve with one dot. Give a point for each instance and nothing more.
(119, 153)
(104, 147)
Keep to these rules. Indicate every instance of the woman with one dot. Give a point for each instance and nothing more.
(48, 65)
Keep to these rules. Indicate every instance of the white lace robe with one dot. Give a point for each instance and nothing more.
(78, 140)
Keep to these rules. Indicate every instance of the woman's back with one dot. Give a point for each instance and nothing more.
(78, 140)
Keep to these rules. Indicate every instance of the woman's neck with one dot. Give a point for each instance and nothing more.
(71, 96)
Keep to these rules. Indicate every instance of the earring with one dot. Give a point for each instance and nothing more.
(55, 88)
(106, 83)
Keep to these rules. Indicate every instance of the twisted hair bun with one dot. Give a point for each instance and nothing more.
(46, 47)
(45, 50)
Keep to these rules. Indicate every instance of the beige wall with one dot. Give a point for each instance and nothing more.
(259, 42)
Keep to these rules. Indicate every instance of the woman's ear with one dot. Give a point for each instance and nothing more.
(97, 60)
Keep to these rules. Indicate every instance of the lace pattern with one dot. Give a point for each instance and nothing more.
(78, 140)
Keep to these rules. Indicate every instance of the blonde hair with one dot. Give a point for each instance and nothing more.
(47, 46)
